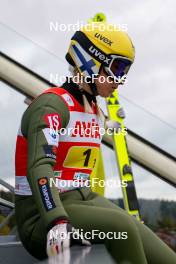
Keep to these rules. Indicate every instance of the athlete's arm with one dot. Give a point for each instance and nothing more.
(46, 110)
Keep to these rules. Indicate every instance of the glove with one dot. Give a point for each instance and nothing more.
(58, 238)
(62, 236)
(65, 257)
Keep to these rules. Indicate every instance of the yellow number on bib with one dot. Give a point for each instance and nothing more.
(81, 157)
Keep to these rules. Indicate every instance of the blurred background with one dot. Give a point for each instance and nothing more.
(148, 98)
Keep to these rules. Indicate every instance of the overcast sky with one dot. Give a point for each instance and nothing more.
(152, 27)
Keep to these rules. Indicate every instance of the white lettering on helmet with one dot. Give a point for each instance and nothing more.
(98, 54)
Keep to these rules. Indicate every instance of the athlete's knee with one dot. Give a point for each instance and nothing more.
(123, 223)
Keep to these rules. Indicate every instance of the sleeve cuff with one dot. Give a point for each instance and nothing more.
(59, 220)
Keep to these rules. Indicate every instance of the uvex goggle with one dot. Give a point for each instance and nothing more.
(118, 68)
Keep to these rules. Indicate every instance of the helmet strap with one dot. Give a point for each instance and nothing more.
(93, 88)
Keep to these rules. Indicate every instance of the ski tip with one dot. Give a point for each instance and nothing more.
(99, 17)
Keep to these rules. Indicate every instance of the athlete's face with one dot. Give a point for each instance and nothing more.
(105, 84)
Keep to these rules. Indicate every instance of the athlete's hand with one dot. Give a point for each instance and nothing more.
(58, 238)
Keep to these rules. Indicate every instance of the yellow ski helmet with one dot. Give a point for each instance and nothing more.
(97, 45)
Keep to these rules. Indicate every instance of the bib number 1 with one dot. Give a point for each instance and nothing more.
(81, 157)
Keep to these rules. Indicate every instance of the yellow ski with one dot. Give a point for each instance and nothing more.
(116, 116)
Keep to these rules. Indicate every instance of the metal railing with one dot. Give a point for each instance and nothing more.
(7, 204)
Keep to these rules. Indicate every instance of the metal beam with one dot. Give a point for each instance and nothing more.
(7, 185)
(6, 203)
(21, 78)
(149, 156)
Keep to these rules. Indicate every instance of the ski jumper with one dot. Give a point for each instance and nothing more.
(49, 163)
